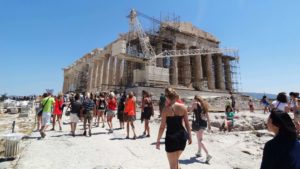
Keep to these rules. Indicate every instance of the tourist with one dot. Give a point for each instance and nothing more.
(121, 106)
(57, 113)
(89, 108)
(176, 135)
(130, 112)
(283, 151)
(148, 112)
(251, 105)
(233, 102)
(162, 101)
(101, 106)
(76, 107)
(111, 110)
(229, 121)
(48, 102)
(200, 123)
(295, 108)
(281, 103)
(40, 113)
(264, 101)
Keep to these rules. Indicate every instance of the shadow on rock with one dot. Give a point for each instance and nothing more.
(193, 160)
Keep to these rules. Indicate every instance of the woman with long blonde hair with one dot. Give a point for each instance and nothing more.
(176, 136)
(200, 122)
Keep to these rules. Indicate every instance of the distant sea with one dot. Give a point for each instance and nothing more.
(260, 95)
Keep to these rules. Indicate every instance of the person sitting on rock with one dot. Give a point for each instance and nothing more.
(229, 121)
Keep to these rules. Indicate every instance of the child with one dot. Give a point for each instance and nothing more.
(229, 121)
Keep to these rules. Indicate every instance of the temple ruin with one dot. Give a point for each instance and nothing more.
(175, 53)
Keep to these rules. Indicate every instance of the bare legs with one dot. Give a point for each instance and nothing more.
(173, 159)
(109, 123)
(39, 122)
(147, 128)
(201, 145)
(58, 117)
(89, 120)
(73, 128)
(132, 127)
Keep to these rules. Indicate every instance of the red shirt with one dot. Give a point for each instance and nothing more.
(58, 104)
(112, 104)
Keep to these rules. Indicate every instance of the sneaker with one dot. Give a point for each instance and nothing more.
(43, 135)
(127, 137)
(52, 129)
(208, 158)
(84, 133)
(148, 135)
(198, 154)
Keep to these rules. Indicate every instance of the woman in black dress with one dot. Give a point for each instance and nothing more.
(147, 112)
(176, 136)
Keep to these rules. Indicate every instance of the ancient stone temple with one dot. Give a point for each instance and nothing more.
(184, 57)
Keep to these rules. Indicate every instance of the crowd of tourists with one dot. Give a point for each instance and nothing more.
(283, 151)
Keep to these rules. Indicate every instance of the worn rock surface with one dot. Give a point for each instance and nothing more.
(60, 150)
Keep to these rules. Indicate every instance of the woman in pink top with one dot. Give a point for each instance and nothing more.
(57, 112)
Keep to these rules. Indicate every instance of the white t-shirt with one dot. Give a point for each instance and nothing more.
(279, 105)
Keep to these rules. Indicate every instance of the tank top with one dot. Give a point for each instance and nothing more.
(130, 107)
(102, 104)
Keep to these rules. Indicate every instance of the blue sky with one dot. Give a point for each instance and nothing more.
(38, 37)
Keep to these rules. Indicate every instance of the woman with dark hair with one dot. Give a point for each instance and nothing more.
(283, 151)
(121, 106)
(147, 111)
(281, 103)
(295, 108)
(101, 106)
(173, 116)
(264, 101)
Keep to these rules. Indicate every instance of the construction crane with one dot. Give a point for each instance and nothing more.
(135, 27)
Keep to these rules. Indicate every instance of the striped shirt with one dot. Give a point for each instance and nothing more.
(88, 104)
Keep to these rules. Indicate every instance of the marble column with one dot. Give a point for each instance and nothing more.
(118, 72)
(220, 84)
(174, 69)
(100, 75)
(187, 75)
(228, 78)
(198, 73)
(90, 78)
(105, 73)
(94, 74)
(209, 71)
(112, 71)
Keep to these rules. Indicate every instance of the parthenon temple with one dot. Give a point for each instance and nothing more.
(184, 58)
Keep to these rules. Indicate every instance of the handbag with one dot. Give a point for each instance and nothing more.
(41, 110)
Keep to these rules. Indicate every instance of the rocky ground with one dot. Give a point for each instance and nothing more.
(237, 149)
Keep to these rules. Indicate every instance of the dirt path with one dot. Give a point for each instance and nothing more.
(59, 150)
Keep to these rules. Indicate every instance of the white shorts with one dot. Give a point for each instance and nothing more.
(46, 117)
(111, 113)
(74, 118)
